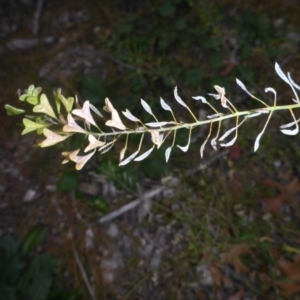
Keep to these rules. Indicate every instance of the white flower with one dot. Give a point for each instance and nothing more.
(72, 126)
(52, 138)
(220, 95)
(67, 154)
(80, 160)
(85, 113)
(156, 138)
(94, 143)
(115, 118)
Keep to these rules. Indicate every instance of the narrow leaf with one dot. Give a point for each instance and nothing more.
(129, 116)
(144, 155)
(185, 148)
(291, 132)
(286, 79)
(129, 159)
(164, 105)
(202, 148)
(289, 124)
(269, 89)
(167, 153)
(200, 98)
(107, 148)
(216, 96)
(256, 144)
(146, 107)
(229, 143)
(214, 116)
(13, 111)
(214, 143)
(227, 133)
(122, 154)
(177, 98)
(242, 86)
(292, 82)
(159, 124)
(32, 239)
(254, 115)
(280, 73)
(95, 110)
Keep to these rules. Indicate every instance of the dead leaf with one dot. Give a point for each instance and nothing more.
(233, 257)
(228, 68)
(216, 274)
(288, 193)
(291, 270)
(235, 152)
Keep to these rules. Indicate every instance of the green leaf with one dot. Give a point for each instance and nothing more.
(44, 107)
(40, 131)
(36, 91)
(32, 100)
(33, 238)
(31, 126)
(23, 97)
(100, 204)
(68, 182)
(67, 103)
(13, 111)
(30, 90)
(37, 279)
(57, 99)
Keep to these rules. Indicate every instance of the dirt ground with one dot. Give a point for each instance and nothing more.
(223, 228)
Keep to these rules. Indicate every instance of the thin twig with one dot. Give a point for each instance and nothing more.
(152, 193)
(83, 274)
(129, 206)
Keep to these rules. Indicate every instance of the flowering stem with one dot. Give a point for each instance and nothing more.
(199, 123)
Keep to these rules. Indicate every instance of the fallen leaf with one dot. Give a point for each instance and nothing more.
(288, 193)
(291, 270)
(233, 257)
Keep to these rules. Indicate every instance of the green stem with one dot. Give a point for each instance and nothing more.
(268, 109)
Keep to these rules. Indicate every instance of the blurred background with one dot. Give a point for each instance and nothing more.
(225, 227)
